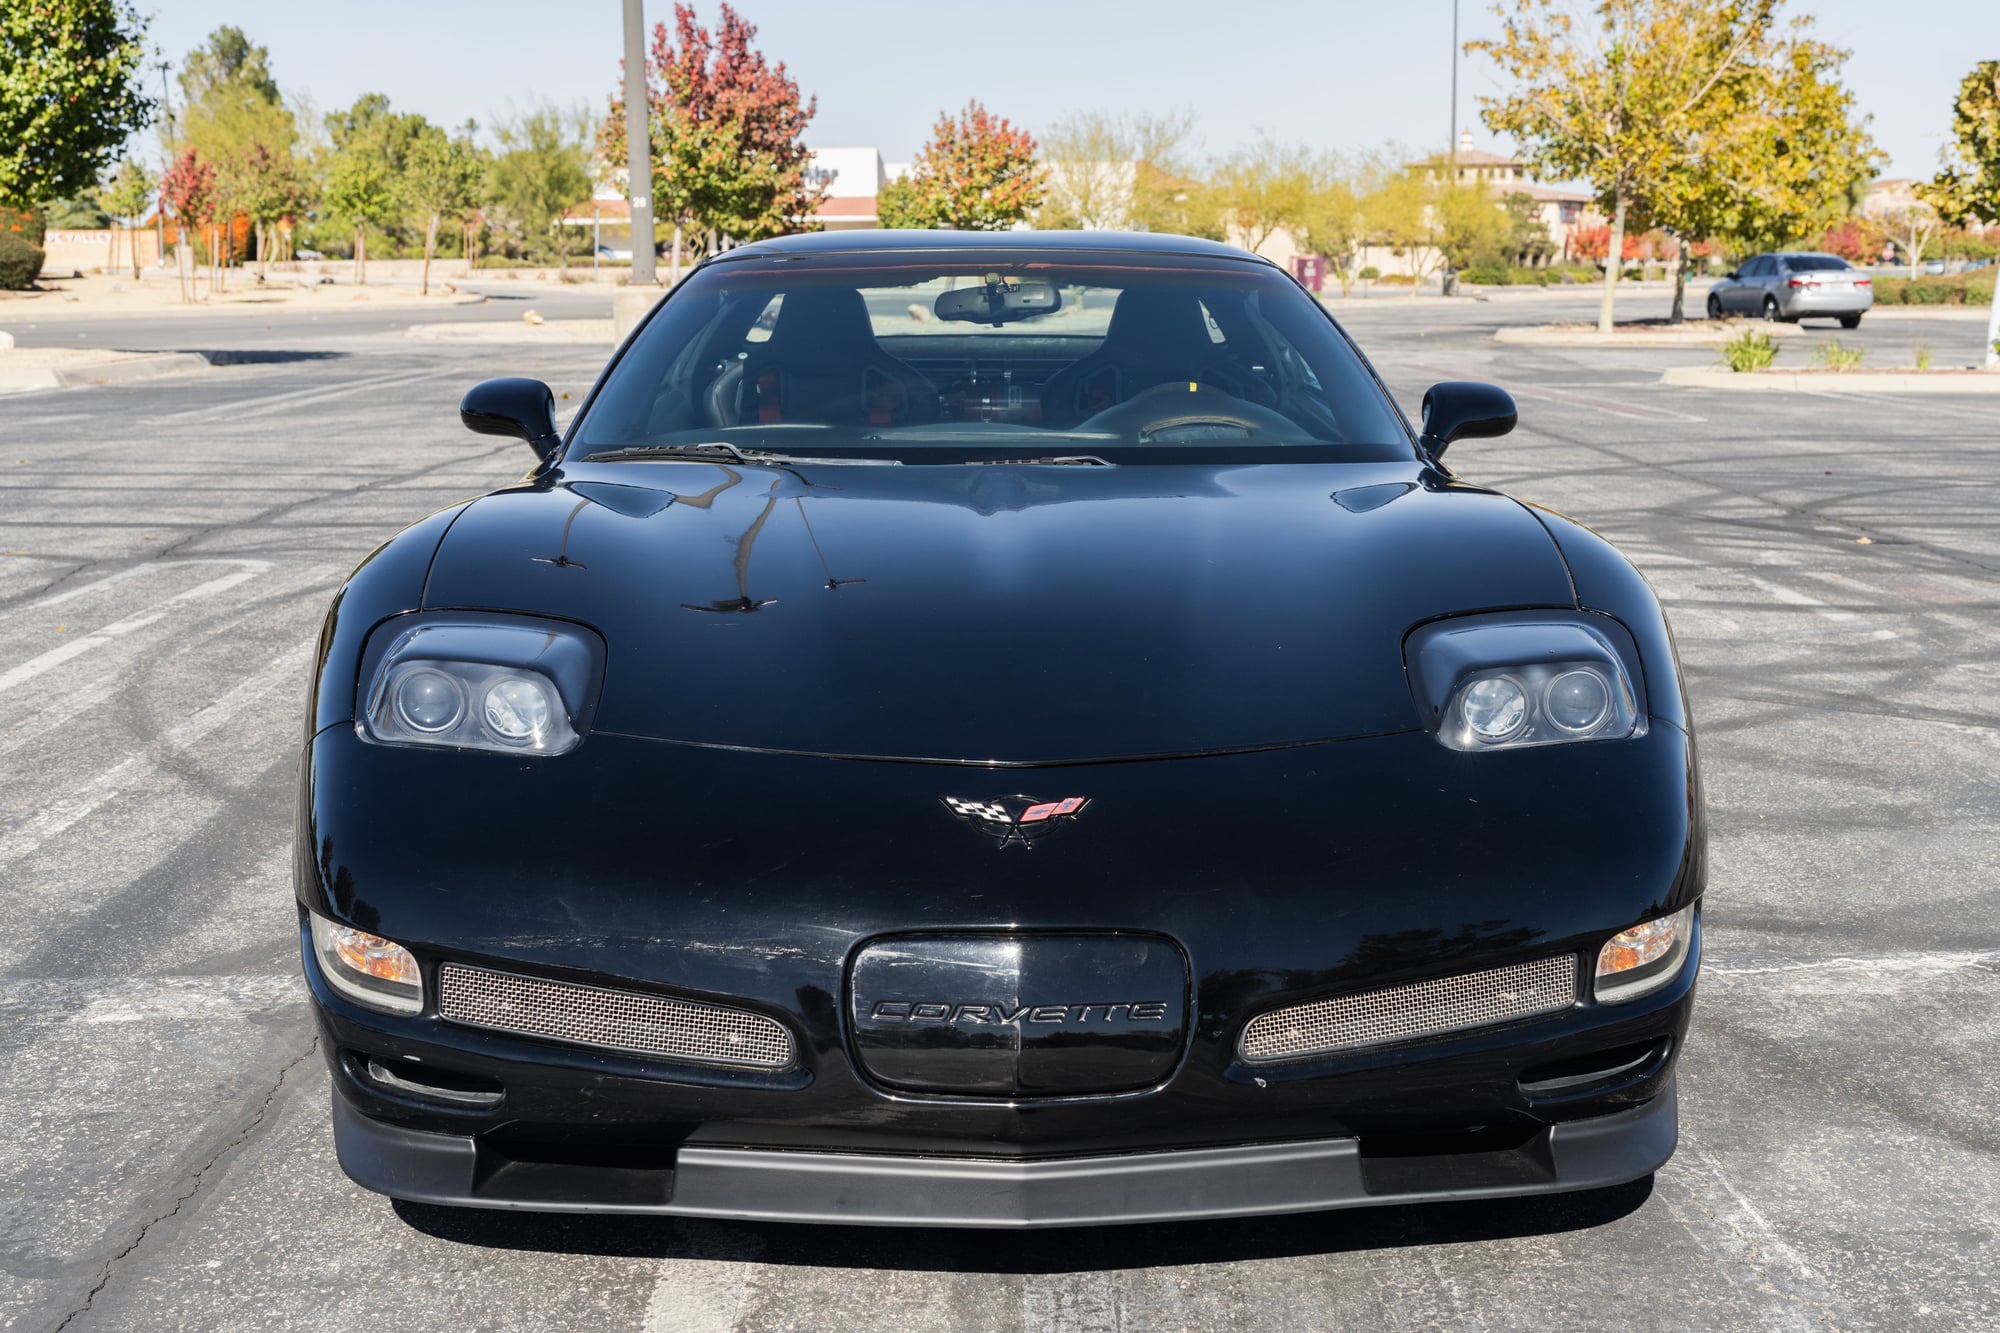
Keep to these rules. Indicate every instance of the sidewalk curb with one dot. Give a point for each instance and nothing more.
(1541, 335)
(568, 332)
(1828, 381)
(140, 366)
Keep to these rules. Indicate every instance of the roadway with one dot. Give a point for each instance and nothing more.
(1831, 563)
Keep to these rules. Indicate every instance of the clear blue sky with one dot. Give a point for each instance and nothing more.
(1343, 74)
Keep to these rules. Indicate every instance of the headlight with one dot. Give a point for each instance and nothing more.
(1639, 961)
(1530, 678)
(367, 968)
(479, 682)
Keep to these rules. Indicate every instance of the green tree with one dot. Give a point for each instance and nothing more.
(542, 168)
(268, 187)
(977, 173)
(69, 93)
(126, 197)
(1435, 221)
(1968, 189)
(364, 168)
(441, 179)
(1666, 106)
(1263, 188)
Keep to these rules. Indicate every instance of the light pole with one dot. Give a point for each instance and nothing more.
(1451, 130)
(639, 148)
(160, 212)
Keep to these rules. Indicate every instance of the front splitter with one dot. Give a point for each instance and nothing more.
(752, 1184)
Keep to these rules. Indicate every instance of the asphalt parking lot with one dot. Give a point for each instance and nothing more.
(1831, 563)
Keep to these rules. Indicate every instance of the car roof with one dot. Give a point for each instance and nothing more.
(1074, 243)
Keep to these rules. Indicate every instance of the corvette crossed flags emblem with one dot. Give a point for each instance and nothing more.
(1016, 821)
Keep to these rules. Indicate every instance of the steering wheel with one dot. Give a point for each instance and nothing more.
(1185, 412)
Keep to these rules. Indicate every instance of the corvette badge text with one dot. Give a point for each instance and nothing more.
(1139, 1011)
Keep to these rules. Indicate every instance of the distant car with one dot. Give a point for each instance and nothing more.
(1935, 267)
(1004, 730)
(606, 252)
(1794, 286)
(308, 254)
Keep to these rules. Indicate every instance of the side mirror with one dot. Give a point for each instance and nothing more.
(520, 408)
(1733, 274)
(1462, 409)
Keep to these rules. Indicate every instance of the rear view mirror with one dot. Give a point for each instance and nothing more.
(998, 302)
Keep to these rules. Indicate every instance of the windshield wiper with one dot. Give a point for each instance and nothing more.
(1057, 460)
(710, 452)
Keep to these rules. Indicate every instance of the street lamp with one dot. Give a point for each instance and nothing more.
(160, 210)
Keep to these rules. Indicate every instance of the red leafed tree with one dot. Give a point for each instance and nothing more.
(1855, 239)
(1593, 243)
(978, 173)
(188, 189)
(729, 157)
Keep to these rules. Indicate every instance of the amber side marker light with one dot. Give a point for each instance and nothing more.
(367, 968)
(1639, 961)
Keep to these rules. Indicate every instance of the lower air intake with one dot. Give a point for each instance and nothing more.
(1403, 1013)
(613, 1019)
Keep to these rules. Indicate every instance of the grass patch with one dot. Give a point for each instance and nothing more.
(1834, 355)
(1750, 350)
(1923, 356)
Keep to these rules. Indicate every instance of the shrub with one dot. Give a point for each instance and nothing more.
(1485, 275)
(1369, 274)
(24, 223)
(1834, 356)
(1975, 288)
(1923, 356)
(1750, 350)
(1396, 280)
(20, 262)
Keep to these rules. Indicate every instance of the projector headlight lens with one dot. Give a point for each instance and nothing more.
(1577, 701)
(1494, 708)
(428, 701)
(518, 709)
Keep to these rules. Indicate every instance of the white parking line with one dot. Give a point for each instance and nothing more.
(117, 629)
(138, 769)
(84, 590)
(252, 407)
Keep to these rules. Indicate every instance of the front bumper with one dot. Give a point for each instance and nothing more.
(761, 1184)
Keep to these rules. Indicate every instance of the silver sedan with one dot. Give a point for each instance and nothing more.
(1793, 286)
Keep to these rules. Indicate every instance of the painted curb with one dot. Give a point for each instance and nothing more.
(1824, 381)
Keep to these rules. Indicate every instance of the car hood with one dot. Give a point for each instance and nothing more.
(999, 614)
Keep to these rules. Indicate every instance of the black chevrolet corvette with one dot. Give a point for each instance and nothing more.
(996, 730)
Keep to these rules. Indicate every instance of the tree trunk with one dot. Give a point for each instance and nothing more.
(360, 240)
(677, 251)
(1614, 264)
(181, 264)
(133, 239)
(430, 248)
(1680, 283)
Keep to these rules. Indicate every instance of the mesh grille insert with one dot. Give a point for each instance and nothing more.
(615, 1019)
(1400, 1013)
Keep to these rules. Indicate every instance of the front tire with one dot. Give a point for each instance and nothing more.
(1714, 306)
(1850, 321)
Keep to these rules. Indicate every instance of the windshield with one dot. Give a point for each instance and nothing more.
(1815, 263)
(948, 356)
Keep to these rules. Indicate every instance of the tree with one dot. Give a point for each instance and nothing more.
(729, 154)
(126, 197)
(268, 187)
(1263, 188)
(441, 177)
(1335, 224)
(365, 166)
(977, 173)
(1434, 220)
(189, 190)
(1690, 114)
(543, 167)
(1968, 189)
(69, 93)
(1911, 226)
(1110, 172)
